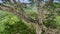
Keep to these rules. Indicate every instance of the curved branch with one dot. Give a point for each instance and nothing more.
(17, 12)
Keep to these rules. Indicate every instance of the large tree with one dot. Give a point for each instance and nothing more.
(17, 8)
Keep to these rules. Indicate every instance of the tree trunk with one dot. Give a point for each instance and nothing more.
(38, 29)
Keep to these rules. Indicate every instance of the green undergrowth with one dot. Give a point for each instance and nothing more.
(11, 24)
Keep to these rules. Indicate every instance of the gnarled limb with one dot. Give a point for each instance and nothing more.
(17, 12)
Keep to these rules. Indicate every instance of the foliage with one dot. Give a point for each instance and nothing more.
(57, 5)
(33, 15)
(12, 25)
(58, 21)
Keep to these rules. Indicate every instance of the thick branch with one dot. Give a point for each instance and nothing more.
(17, 12)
